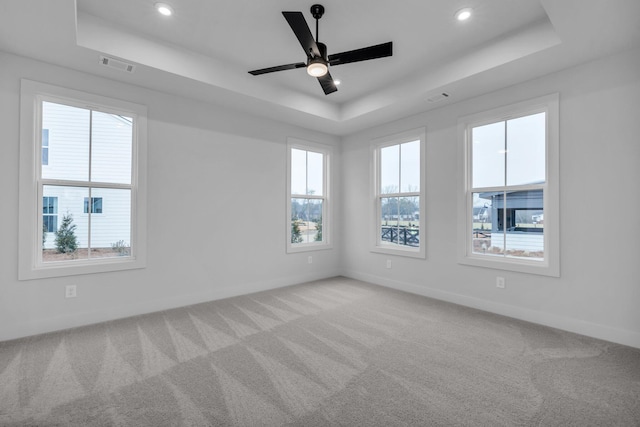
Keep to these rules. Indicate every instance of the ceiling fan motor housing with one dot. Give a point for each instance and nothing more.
(317, 10)
(323, 50)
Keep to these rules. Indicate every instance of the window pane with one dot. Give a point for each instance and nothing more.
(408, 222)
(389, 219)
(318, 236)
(111, 142)
(526, 150)
(306, 220)
(68, 156)
(410, 167)
(483, 215)
(488, 154)
(524, 224)
(298, 171)
(70, 240)
(314, 222)
(400, 221)
(45, 147)
(110, 232)
(297, 209)
(111, 227)
(96, 205)
(390, 169)
(297, 214)
(314, 173)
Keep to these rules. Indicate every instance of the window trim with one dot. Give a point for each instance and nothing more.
(550, 266)
(376, 146)
(327, 208)
(30, 220)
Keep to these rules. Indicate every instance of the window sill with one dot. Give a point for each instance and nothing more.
(309, 247)
(542, 268)
(398, 251)
(72, 268)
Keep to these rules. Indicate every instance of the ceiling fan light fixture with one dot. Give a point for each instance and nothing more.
(317, 67)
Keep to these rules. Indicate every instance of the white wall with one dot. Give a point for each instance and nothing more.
(212, 158)
(216, 208)
(598, 293)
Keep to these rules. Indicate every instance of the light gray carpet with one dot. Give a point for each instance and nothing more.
(332, 352)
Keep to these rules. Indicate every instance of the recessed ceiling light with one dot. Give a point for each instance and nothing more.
(164, 9)
(464, 14)
(337, 82)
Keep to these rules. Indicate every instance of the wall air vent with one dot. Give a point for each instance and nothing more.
(439, 97)
(117, 64)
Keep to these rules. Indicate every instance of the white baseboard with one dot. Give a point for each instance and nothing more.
(74, 320)
(582, 327)
(594, 330)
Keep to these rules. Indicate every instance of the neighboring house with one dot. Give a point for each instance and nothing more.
(65, 155)
(516, 217)
(520, 208)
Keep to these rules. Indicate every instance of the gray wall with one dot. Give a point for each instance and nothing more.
(205, 159)
(598, 292)
(204, 163)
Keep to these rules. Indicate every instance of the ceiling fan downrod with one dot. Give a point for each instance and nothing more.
(317, 10)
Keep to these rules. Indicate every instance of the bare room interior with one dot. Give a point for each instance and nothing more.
(440, 231)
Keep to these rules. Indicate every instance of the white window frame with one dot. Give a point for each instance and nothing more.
(377, 245)
(326, 151)
(30, 265)
(550, 265)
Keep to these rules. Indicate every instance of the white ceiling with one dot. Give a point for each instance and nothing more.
(205, 50)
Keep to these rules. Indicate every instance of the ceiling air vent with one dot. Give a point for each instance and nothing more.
(117, 64)
(439, 97)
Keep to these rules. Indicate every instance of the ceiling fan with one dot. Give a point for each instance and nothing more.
(317, 60)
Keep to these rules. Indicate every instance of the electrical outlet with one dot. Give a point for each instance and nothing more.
(70, 291)
(500, 283)
(310, 260)
(388, 263)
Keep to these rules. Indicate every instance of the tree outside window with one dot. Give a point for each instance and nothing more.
(307, 197)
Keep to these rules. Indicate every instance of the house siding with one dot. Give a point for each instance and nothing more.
(71, 133)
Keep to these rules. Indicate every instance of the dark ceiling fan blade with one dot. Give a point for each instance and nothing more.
(327, 83)
(278, 68)
(300, 28)
(364, 54)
